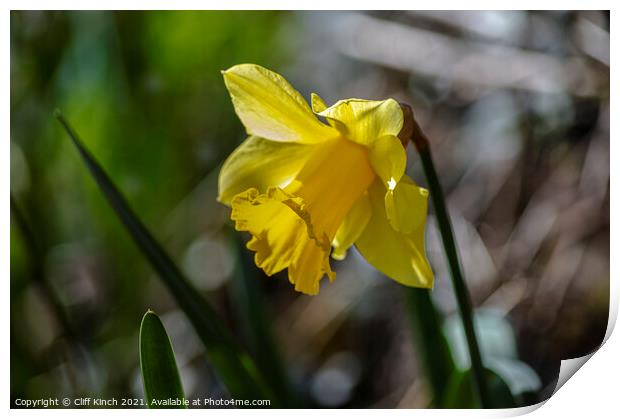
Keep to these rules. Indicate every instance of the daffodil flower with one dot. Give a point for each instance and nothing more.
(305, 189)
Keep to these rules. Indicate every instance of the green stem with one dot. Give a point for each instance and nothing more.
(460, 289)
(431, 344)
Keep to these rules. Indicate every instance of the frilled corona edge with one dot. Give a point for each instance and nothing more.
(283, 236)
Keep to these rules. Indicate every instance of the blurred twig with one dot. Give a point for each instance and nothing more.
(474, 63)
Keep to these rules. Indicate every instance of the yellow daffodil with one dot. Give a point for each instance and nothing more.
(304, 189)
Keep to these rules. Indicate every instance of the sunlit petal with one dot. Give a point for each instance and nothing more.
(318, 104)
(271, 108)
(259, 163)
(364, 121)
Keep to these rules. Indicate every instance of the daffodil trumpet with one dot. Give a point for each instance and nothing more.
(306, 189)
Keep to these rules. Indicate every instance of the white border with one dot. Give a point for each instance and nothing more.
(593, 391)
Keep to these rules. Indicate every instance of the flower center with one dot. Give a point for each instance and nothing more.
(335, 176)
(293, 227)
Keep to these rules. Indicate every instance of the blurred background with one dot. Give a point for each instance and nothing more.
(516, 105)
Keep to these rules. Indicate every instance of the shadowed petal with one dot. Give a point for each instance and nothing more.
(398, 255)
(352, 227)
(406, 205)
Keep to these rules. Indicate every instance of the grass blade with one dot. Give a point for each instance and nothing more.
(160, 375)
(234, 366)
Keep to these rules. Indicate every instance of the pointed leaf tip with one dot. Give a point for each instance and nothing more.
(160, 375)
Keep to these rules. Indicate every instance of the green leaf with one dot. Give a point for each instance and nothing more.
(160, 375)
(520, 377)
(460, 392)
(494, 331)
(499, 349)
(233, 365)
(498, 345)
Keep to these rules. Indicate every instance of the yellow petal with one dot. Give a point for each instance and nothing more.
(271, 108)
(406, 205)
(283, 236)
(308, 267)
(398, 255)
(260, 163)
(318, 104)
(364, 121)
(352, 227)
(388, 159)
